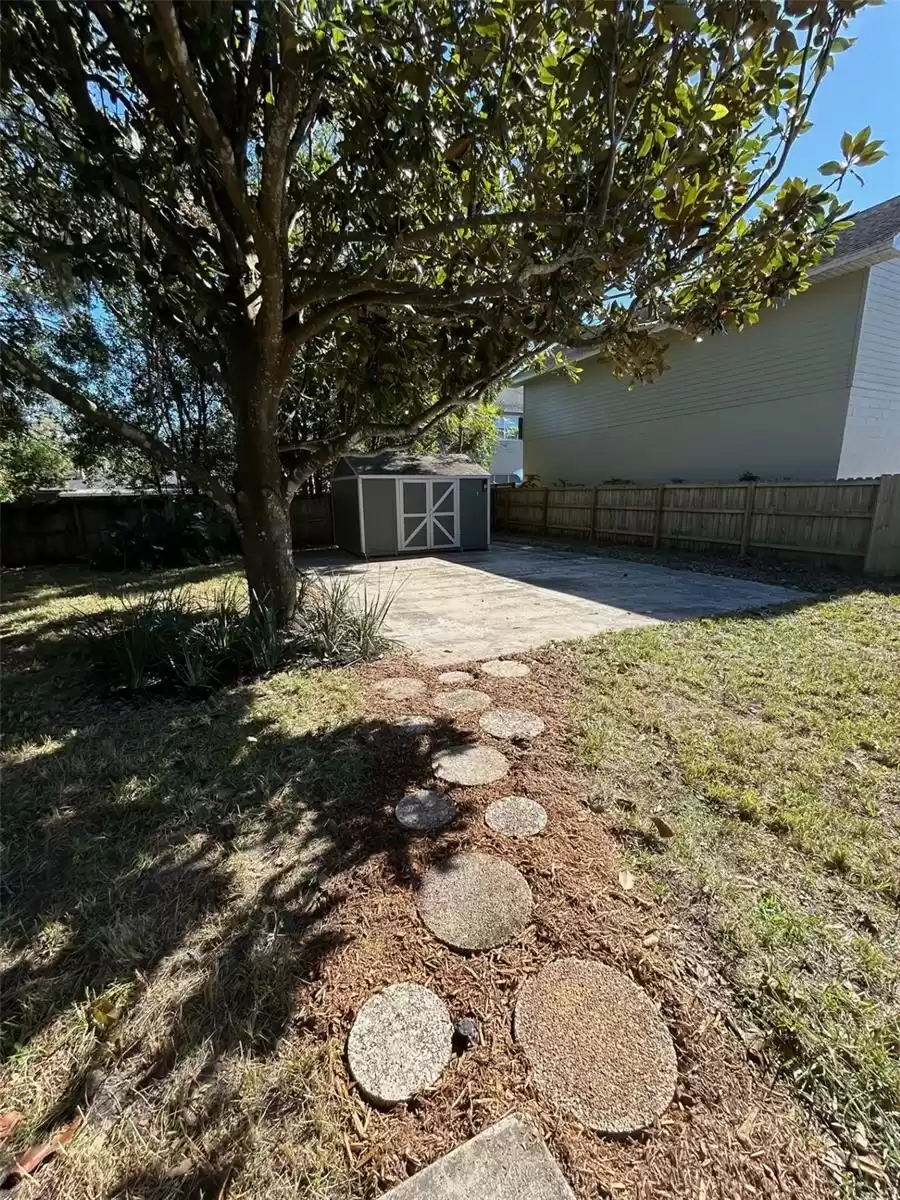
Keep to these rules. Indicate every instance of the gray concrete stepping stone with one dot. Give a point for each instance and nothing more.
(474, 901)
(456, 678)
(502, 668)
(507, 1161)
(514, 724)
(400, 1042)
(470, 765)
(402, 688)
(596, 1045)
(465, 700)
(415, 724)
(516, 816)
(424, 809)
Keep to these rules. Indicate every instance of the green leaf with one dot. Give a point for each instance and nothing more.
(860, 140)
(846, 144)
(717, 112)
(646, 144)
(832, 167)
(679, 16)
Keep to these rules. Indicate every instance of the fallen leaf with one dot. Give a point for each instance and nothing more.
(652, 939)
(29, 1160)
(744, 1131)
(663, 828)
(8, 1121)
(626, 880)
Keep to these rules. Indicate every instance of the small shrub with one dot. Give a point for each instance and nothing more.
(342, 623)
(167, 639)
(175, 536)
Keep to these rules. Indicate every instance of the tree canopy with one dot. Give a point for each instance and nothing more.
(398, 203)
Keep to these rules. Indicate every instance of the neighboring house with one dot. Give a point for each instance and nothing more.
(506, 465)
(810, 392)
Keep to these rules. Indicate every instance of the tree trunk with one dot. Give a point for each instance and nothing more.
(264, 516)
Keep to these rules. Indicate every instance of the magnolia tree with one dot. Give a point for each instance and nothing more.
(402, 201)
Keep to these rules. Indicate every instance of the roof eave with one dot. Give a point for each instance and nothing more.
(871, 256)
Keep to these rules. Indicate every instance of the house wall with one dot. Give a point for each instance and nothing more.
(474, 498)
(871, 444)
(345, 507)
(771, 400)
(380, 517)
(508, 456)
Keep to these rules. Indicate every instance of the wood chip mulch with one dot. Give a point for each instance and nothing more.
(730, 1132)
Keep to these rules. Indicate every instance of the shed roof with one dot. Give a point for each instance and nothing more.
(402, 462)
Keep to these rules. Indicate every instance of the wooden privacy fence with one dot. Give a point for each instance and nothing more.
(72, 527)
(856, 522)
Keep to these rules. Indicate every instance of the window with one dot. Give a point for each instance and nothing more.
(510, 428)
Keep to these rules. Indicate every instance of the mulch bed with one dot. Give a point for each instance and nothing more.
(730, 1131)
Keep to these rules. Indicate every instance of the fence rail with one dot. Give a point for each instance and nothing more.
(856, 522)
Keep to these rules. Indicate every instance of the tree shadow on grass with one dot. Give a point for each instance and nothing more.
(173, 883)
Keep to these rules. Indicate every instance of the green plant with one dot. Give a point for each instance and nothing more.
(33, 458)
(339, 622)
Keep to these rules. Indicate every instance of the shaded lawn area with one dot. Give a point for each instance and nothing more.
(770, 744)
(156, 864)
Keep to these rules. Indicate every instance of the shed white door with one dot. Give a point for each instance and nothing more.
(428, 514)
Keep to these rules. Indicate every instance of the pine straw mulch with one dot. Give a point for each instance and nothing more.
(730, 1131)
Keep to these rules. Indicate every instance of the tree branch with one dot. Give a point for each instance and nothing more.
(201, 110)
(15, 363)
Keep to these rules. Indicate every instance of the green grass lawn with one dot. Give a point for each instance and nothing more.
(771, 746)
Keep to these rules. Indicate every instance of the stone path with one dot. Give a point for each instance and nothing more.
(508, 1161)
(513, 724)
(400, 1043)
(425, 810)
(596, 1045)
(501, 668)
(465, 700)
(413, 724)
(516, 816)
(470, 766)
(474, 901)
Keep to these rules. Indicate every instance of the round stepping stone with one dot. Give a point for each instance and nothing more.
(502, 668)
(465, 700)
(456, 678)
(403, 688)
(424, 809)
(400, 1042)
(514, 724)
(474, 901)
(596, 1045)
(415, 724)
(516, 816)
(470, 765)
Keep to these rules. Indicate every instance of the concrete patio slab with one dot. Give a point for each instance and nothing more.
(508, 1161)
(461, 607)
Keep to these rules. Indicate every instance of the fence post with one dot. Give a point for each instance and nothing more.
(883, 553)
(749, 497)
(546, 509)
(595, 493)
(79, 526)
(658, 516)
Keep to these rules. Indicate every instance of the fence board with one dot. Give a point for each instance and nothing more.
(829, 520)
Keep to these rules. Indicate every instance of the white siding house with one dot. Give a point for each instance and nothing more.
(810, 392)
(506, 465)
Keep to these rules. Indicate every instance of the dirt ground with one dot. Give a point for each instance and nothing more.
(730, 1132)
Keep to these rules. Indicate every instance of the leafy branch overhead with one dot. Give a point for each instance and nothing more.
(355, 218)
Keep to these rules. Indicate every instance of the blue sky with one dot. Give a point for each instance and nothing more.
(863, 89)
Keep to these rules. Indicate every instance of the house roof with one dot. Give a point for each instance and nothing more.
(402, 462)
(873, 238)
(512, 401)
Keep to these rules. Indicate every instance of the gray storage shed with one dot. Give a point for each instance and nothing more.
(401, 503)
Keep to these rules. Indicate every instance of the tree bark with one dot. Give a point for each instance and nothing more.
(263, 508)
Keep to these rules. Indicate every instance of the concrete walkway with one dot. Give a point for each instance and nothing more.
(456, 607)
